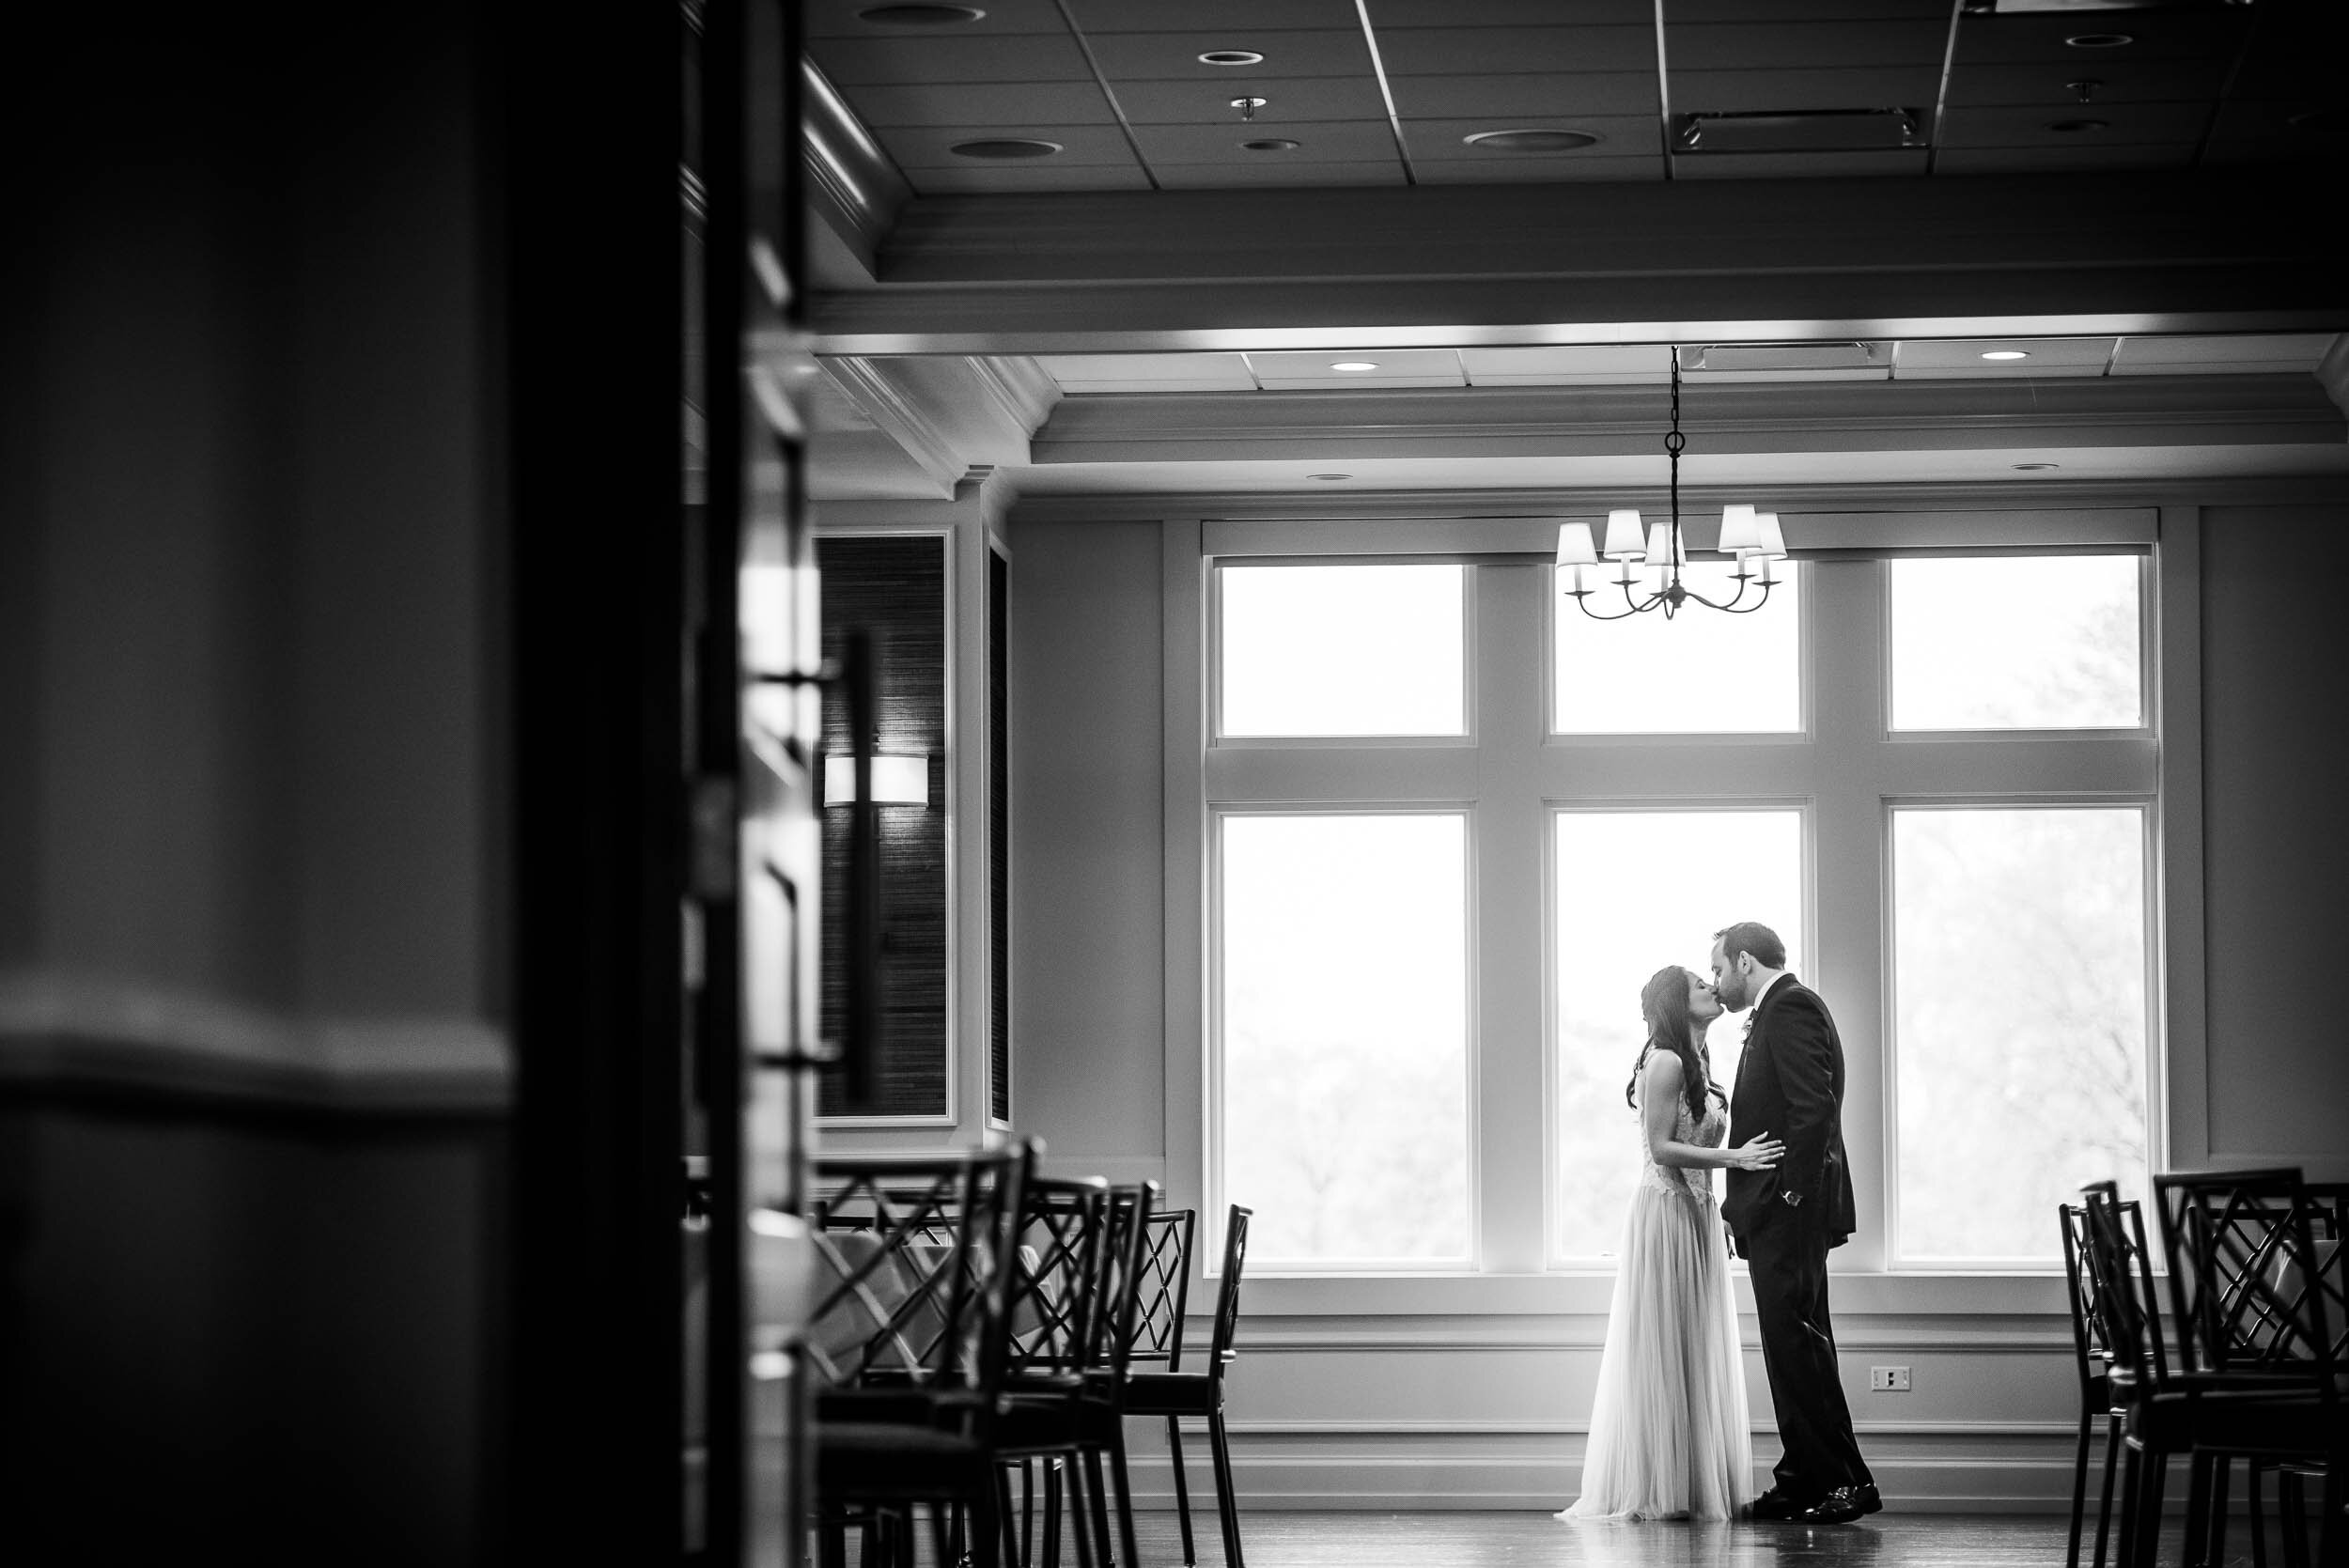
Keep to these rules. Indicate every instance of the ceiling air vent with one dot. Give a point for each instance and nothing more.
(1800, 131)
(1786, 356)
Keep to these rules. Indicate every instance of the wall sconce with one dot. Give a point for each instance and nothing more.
(896, 781)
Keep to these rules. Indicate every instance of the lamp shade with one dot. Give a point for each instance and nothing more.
(1773, 541)
(1574, 545)
(1622, 536)
(1659, 546)
(1741, 530)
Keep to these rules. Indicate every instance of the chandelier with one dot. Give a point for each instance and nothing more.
(1647, 566)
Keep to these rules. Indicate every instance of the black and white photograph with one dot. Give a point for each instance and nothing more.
(1175, 784)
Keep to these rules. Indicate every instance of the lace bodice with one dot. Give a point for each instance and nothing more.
(1706, 1133)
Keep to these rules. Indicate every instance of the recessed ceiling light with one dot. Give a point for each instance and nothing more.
(921, 16)
(2006, 353)
(1231, 57)
(1271, 143)
(1006, 147)
(2032, 468)
(1330, 476)
(2075, 126)
(1354, 366)
(1532, 141)
(2101, 41)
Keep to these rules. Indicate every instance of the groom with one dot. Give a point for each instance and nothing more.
(1790, 1083)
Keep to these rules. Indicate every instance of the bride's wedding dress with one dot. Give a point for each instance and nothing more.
(1668, 1436)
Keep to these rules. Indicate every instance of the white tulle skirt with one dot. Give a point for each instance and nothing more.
(1669, 1437)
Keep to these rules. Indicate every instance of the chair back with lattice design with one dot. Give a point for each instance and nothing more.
(1056, 1295)
(2121, 1286)
(2327, 1204)
(1131, 1209)
(1162, 1288)
(1227, 1289)
(2090, 1356)
(2246, 1284)
(914, 1265)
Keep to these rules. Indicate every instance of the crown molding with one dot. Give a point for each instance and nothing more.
(1743, 417)
(851, 184)
(2327, 491)
(883, 391)
(1022, 391)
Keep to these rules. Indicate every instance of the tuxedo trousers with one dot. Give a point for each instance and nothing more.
(1787, 1258)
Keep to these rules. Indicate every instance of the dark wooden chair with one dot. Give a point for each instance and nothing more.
(1178, 1394)
(1056, 1311)
(909, 1344)
(2093, 1365)
(2153, 1427)
(2257, 1363)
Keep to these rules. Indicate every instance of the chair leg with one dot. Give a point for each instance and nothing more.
(1097, 1489)
(2332, 1532)
(831, 1544)
(2079, 1491)
(2124, 1549)
(2259, 1519)
(1080, 1511)
(1227, 1494)
(1124, 1483)
(2206, 1510)
(1052, 1514)
(985, 1542)
(2150, 1487)
(2112, 1468)
(1182, 1488)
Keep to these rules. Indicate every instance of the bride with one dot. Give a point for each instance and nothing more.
(1668, 1429)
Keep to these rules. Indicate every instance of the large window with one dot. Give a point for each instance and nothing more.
(1345, 991)
(1452, 828)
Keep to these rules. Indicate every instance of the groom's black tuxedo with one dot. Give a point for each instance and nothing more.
(1790, 1085)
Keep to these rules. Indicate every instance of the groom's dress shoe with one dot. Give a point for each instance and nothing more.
(1838, 1507)
(1865, 1496)
(1775, 1504)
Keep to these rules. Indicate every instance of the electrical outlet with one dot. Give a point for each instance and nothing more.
(1889, 1379)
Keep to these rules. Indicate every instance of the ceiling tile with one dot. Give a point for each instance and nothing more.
(1779, 11)
(1568, 365)
(2115, 82)
(1022, 57)
(923, 147)
(2062, 160)
(980, 104)
(1014, 178)
(1620, 136)
(1319, 142)
(1539, 169)
(1289, 97)
(1825, 45)
(1277, 172)
(1286, 371)
(2246, 353)
(1795, 166)
(2117, 125)
(1511, 13)
(1520, 93)
(1862, 87)
(1953, 359)
(827, 18)
(1148, 372)
(1173, 56)
(2178, 33)
(1151, 16)
(1466, 51)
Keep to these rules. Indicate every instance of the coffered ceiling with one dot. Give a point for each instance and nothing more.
(1051, 244)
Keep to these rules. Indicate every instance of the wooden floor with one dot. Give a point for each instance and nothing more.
(1490, 1540)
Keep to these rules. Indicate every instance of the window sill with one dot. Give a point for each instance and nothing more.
(1419, 1295)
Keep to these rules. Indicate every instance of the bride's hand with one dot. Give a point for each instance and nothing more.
(1757, 1153)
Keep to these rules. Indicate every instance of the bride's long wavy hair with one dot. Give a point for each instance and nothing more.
(1664, 1004)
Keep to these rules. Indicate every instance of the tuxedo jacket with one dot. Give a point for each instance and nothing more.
(1790, 1085)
